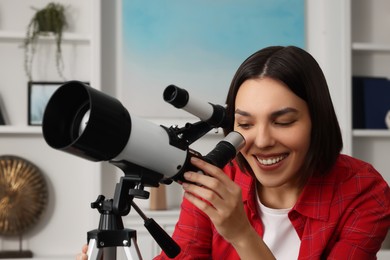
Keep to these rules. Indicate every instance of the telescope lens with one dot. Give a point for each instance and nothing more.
(80, 121)
(86, 122)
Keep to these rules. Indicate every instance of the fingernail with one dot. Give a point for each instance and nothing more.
(194, 159)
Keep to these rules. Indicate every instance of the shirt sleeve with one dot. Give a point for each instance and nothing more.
(192, 233)
(366, 222)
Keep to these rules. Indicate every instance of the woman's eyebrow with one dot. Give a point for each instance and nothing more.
(273, 114)
(242, 113)
(283, 112)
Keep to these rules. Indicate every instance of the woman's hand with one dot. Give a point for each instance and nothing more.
(218, 197)
(83, 254)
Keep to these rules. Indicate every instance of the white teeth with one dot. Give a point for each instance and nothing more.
(271, 161)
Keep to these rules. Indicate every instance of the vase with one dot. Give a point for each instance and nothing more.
(158, 198)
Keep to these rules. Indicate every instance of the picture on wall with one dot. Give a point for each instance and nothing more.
(39, 94)
(196, 45)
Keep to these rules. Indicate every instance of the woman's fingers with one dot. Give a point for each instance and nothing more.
(217, 196)
(215, 192)
(213, 179)
(83, 254)
(84, 249)
(208, 170)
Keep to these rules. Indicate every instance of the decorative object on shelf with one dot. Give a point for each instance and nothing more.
(387, 119)
(158, 198)
(23, 198)
(39, 94)
(2, 120)
(3, 114)
(50, 20)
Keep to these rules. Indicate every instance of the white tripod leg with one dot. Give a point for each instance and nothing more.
(133, 252)
(93, 251)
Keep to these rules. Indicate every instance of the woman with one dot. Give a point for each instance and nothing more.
(289, 194)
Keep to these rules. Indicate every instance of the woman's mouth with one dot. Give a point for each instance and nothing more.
(271, 160)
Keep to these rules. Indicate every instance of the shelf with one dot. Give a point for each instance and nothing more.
(67, 37)
(20, 130)
(362, 46)
(371, 133)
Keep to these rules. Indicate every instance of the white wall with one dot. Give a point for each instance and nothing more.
(328, 40)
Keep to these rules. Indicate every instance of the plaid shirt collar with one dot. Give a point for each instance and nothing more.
(314, 201)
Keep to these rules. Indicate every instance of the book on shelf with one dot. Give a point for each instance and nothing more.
(371, 102)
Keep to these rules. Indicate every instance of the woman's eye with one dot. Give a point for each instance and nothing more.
(284, 123)
(243, 126)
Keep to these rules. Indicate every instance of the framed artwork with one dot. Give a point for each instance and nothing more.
(196, 45)
(39, 94)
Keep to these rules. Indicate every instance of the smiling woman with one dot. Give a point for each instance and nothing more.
(289, 193)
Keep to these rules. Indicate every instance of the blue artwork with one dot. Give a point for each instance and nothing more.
(197, 45)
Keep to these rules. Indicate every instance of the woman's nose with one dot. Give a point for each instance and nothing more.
(263, 137)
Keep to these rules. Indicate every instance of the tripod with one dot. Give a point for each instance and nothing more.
(111, 234)
(103, 242)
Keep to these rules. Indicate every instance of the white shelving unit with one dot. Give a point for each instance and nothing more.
(67, 37)
(370, 47)
(371, 133)
(20, 130)
(370, 57)
(73, 183)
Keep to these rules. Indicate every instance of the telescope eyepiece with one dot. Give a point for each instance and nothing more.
(214, 115)
(176, 96)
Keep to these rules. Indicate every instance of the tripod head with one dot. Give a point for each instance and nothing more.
(111, 232)
(103, 241)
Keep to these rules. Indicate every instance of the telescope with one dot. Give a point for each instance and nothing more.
(85, 122)
(90, 124)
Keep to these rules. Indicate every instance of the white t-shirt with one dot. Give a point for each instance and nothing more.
(279, 234)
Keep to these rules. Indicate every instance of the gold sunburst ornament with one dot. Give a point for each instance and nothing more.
(23, 195)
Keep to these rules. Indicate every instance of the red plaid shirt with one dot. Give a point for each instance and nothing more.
(343, 215)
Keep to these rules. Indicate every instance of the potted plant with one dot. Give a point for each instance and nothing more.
(50, 20)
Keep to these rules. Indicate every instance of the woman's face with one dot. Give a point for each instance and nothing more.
(276, 125)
